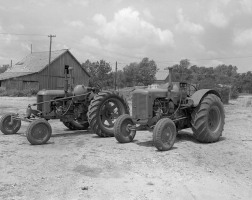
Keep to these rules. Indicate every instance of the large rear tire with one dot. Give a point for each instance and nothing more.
(208, 119)
(103, 111)
(164, 134)
(122, 131)
(38, 132)
(7, 127)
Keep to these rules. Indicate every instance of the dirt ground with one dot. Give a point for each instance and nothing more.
(80, 165)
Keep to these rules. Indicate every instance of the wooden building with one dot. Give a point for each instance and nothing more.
(33, 72)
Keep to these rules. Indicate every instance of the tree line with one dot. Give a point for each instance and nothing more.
(143, 73)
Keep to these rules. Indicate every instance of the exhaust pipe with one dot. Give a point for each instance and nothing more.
(66, 72)
(170, 86)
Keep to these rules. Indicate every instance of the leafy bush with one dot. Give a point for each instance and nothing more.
(18, 93)
(224, 93)
(234, 93)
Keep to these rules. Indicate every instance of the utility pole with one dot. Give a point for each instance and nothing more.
(50, 49)
(31, 48)
(115, 74)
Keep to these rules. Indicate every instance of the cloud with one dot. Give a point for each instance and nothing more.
(217, 18)
(26, 47)
(100, 20)
(8, 38)
(246, 6)
(76, 23)
(243, 38)
(17, 27)
(185, 25)
(82, 3)
(128, 28)
(214, 63)
(148, 14)
(90, 42)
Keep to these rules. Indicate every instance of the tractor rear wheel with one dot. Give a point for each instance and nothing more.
(7, 127)
(75, 125)
(39, 132)
(164, 134)
(122, 131)
(208, 119)
(103, 111)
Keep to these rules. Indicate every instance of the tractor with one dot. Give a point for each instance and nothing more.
(169, 108)
(77, 108)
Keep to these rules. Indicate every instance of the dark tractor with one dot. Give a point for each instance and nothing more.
(77, 109)
(170, 108)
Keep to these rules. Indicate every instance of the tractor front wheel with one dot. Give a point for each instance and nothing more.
(7, 126)
(38, 132)
(122, 130)
(164, 134)
(208, 119)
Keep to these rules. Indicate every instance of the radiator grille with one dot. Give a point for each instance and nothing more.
(39, 99)
(140, 105)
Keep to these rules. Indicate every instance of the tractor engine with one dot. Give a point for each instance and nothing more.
(65, 105)
(150, 105)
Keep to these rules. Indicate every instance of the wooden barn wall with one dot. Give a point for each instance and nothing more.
(11, 84)
(56, 76)
(56, 71)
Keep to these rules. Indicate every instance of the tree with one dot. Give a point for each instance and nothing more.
(225, 74)
(4, 68)
(130, 74)
(100, 73)
(146, 71)
(181, 71)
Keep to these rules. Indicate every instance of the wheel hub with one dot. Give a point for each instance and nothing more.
(40, 132)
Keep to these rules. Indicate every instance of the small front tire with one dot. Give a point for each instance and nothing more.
(164, 134)
(38, 132)
(122, 129)
(7, 127)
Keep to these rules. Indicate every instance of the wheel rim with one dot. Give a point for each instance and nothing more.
(214, 118)
(40, 132)
(8, 126)
(110, 111)
(167, 136)
(125, 127)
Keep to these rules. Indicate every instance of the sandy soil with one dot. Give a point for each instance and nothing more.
(80, 165)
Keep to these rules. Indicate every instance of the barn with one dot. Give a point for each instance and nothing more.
(33, 72)
(161, 76)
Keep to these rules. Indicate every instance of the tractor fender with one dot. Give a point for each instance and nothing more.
(198, 95)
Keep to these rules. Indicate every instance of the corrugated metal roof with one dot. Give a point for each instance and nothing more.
(35, 62)
(161, 75)
(8, 75)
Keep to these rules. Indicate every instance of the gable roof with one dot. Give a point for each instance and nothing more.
(161, 75)
(8, 75)
(33, 63)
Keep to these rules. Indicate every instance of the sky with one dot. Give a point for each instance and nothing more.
(207, 32)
